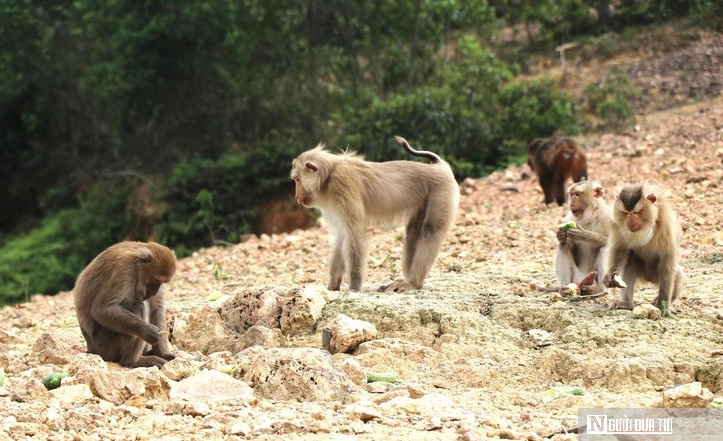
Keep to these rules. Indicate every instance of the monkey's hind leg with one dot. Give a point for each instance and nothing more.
(564, 265)
(411, 237)
(132, 354)
(337, 263)
(158, 318)
(421, 246)
(559, 189)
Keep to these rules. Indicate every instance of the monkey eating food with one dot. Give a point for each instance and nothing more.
(119, 302)
(351, 193)
(582, 248)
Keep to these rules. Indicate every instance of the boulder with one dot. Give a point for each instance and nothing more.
(139, 385)
(344, 334)
(57, 347)
(303, 374)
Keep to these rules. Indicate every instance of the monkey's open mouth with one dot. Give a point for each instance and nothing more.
(577, 213)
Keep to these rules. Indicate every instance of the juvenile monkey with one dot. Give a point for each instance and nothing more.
(644, 242)
(351, 193)
(554, 160)
(119, 301)
(582, 250)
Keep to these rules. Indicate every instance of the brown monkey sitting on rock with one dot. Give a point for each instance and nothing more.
(119, 302)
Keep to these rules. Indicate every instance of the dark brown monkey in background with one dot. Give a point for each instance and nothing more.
(582, 250)
(119, 302)
(644, 243)
(554, 160)
(352, 193)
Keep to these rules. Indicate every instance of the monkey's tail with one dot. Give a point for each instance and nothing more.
(421, 153)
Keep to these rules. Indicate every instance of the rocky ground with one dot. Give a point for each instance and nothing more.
(475, 353)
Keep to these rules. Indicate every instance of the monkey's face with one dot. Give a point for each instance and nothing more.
(582, 202)
(305, 175)
(633, 222)
(154, 285)
(635, 210)
(577, 205)
(631, 218)
(302, 197)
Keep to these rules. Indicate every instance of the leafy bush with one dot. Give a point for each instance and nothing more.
(216, 201)
(611, 101)
(632, 12)
(532, 109)
(47, 258)
(473, 118)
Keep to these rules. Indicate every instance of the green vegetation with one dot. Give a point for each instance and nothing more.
(205, 102)
(611, 101)
(49, 256)
(216, 201)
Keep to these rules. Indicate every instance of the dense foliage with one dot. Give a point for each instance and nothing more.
(50, 255)
(206, 101)
(216, 201)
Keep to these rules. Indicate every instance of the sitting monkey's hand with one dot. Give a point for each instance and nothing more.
(151, 334)
(561, 235)
(576, 233)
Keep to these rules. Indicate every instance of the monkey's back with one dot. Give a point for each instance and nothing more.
(394, 190)
(105, 273)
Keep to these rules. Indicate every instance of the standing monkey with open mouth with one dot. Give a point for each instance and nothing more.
(351, 193)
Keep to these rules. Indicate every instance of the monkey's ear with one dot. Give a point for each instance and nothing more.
(597, 190)
(144, 255)
(311, 166)
(652, 198)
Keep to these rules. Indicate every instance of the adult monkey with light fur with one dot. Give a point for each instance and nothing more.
(644, 243)
(351, 193)
(119, 301)
(582, 250)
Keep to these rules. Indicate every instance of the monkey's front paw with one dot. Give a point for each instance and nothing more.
(397, 287)
(151, 334)
(561, 236)
(619, 304)
(664, 306)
